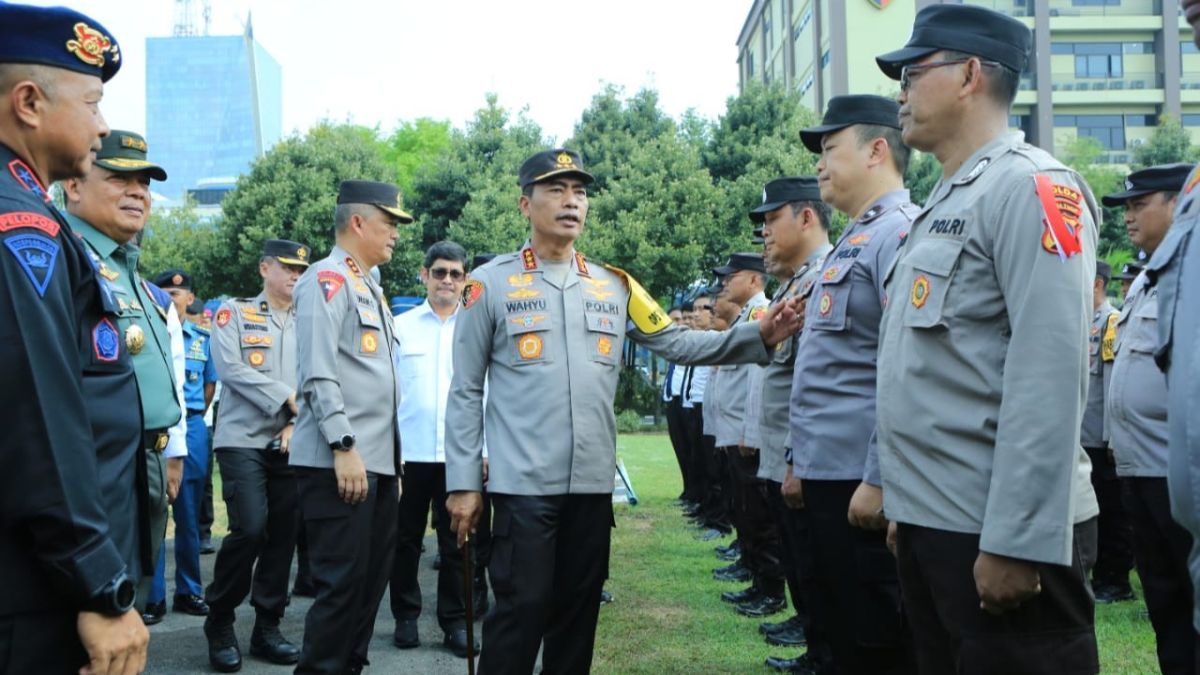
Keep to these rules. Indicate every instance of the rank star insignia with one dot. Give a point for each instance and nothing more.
(920, 291)
(529, 346)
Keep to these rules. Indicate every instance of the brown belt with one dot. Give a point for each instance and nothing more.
(155, 440)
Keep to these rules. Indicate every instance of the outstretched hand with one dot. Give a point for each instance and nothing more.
(783, 320)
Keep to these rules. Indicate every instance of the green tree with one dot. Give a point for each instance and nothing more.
(178, 238)
(923, 173)
(413, 145)
(610, 130)
(1169, 143)
(291, 193)
(759, 112)
(1083, 155)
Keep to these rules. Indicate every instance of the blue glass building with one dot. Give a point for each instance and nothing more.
(213, 105)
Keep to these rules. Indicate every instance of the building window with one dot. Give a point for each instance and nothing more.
(1095, 3)
(1098, 59)
(768, 38)
(1109, 130)
(749, 64)
(825, 59)
(1188, 47)
(808, 83)
(804, 21)
(1190, 120)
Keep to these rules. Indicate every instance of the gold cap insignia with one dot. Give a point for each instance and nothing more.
(90, 45)
(302, 253)
(564, 161)
(135, 143)
(177, 279)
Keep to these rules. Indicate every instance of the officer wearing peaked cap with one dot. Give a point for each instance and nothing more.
(1137, 417)
(547, 319)
(254, 350)
(69, 539)
(346, 449)
(978, 429)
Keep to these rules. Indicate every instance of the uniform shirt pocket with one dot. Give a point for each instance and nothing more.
(256, 356)
(930, 267)
(1144, 327)
(831, 298)
(527, 337)
(603, 339)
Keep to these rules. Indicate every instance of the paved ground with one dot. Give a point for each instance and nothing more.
(177, 644)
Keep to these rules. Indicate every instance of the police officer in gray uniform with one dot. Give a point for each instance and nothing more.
(1114, 551)
(982, 369)
(346, 449)
(794, 224)
(254, 350)
(1137, 421)
(545, 328)
(856, 598)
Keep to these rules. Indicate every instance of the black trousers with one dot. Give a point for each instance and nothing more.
(1161, 547)
(350, 550)
(206, 500)
(757, 530)
(1051, 633)
(800, 561)
(716, 509)
(41, 642)
(856, 595)
(483, 538)
(424, 486)
(549, 564)
(693, 429)
(677, 431)
(1114, 552)
(256, 556)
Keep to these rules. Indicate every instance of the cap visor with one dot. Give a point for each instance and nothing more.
(759, 214)
(723, 271)
(122, 165)
(400, 214)
(292, 261)
(811, 138)
(1119, 198)
(891, 62)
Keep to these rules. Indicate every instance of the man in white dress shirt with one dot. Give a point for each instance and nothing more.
(425, 366)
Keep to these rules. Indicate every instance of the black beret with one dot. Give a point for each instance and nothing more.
(125, 152)
(1129, 272)
(550, 163)
(786, 190)
(58, 37)
(288, 252)
(742, 261)
(384, 196)
(173, 279)
(979, 31)
(1161, 178)
(844, 111)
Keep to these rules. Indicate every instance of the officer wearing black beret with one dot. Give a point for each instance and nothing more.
(1008, 238)
(68, 501)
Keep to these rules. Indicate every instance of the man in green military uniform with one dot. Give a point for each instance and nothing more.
(108, 208)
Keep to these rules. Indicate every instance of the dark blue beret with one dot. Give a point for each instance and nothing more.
(59, 37)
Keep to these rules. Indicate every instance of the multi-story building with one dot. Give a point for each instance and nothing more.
(214, 104)
(1101, 68)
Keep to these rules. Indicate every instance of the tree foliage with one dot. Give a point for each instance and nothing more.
(1169, 143)
(1083, 155)
(178, 238)
(413, 145)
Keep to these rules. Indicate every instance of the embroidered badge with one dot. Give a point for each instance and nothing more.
(826, 303)
(519, 280)
(920, 291)
(353, 266)
(107, 273)
(90, 45)
(256, 358)
(830, 274)
(581, 264)
(1061, 210)
(529, 346)
(369, 342)
(223, 316)
(330, 282)
(528, 259)
(528, 321)
(597, 283)
(471, 293)
(1192, 181)
(264, 340)
(36, 255)
(604, 346)
(25, 177)
(35, 221)
(523, 294)
(598, 294)
(105, 342)
(859, 239)
(758, 313)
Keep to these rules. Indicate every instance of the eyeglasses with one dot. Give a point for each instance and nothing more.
(440, 273)
(703, 308)
(908, 71)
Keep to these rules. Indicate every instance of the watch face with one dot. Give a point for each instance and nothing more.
(124, 594)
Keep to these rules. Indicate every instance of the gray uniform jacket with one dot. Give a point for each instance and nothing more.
(733, 386)
(255, 357)
(1136, 402)
(1175, 267)
(1094, 433)
(982, 371)
(550, 356)
(777, 378)
(346, 377)
(833, 393)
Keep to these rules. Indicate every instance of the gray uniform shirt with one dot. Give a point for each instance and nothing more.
(982, 371)
(833, 392)
(1094, 433)
(1137, 395)
(255, 357)
(550, 356)
(732, 386)
(777, 377)
(346, 377)
(1175, 267)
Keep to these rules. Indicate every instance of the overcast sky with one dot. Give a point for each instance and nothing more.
(375, 62)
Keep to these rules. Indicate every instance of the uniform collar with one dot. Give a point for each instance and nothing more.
(103, 245)
(882, 205)
(427, 308)
(343, 257)
(981, 159)
(530, 262)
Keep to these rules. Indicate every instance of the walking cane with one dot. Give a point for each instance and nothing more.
(469, 596)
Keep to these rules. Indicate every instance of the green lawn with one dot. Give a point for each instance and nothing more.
(668, 617)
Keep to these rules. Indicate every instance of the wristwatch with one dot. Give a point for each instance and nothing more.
(343, 444)
(114, 599)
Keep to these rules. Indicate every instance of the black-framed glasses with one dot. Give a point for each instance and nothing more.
(440, 273)
(908, 71)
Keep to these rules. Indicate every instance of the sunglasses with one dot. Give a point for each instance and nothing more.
(440, 273)
(907, 72)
